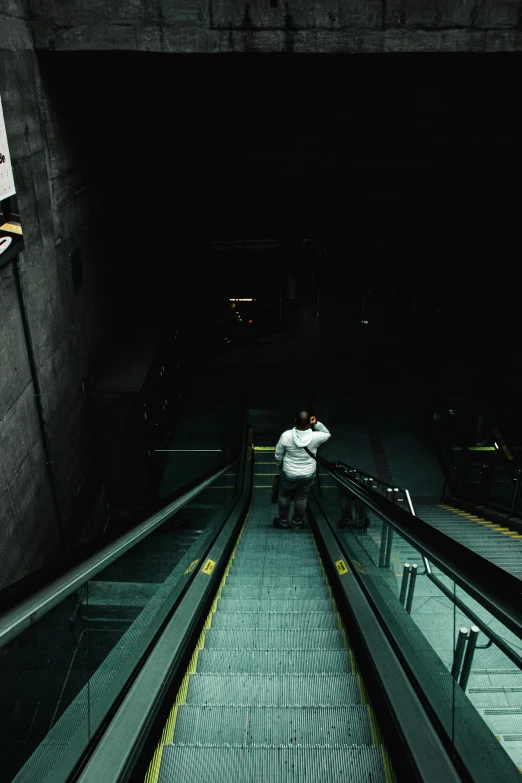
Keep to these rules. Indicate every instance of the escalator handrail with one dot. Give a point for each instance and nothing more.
(495, 589)
(343, 465)
(29, 611)
(488, 632)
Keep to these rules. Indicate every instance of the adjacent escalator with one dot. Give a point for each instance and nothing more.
(69, 664)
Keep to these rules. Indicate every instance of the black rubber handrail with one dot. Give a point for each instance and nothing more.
(497, 590)
(36, 606)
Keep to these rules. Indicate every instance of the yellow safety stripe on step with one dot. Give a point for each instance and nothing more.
(374, 728)
(389, 774)
(262, 486)
(506, 531)
(167, 736)
(264, 448)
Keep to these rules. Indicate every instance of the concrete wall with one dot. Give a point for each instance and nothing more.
(330, 26)
(66, 327)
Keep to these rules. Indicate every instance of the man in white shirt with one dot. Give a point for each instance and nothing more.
(298, 466)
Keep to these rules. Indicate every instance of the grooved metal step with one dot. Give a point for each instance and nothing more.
(265, 621)
(295, 568)
(276, 579)
(265, 605)
(274, 662)
(256, 639)
(259, 591)
(334, 726)
(500, 549)
(289, 765)
(290, 690)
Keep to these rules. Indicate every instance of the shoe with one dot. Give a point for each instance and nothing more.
(345, 523)
(281, 524)
(297, 524)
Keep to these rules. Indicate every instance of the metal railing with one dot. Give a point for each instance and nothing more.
(470, 477)
(374, 488)
(29, 611)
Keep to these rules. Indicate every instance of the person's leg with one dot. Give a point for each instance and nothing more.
(301, 499)
(283, 500)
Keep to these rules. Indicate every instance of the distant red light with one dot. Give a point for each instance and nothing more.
(250, 322)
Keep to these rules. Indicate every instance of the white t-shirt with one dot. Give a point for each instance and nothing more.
(290, 449)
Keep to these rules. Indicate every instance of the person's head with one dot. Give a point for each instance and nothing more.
(302, 420)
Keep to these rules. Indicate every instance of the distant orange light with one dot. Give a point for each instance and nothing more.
(250, 322)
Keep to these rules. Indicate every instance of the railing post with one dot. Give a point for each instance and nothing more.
(516, 495)
(468, 657)
(389, 541)
(404, 583)
(384, 541)
(459, 651)
(411, 588)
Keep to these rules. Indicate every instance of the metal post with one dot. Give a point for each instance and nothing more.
(468, 658)
(411, 588)
(459, 651)
(384, 539)
(387, 556)
(516, 496)
(404, 583)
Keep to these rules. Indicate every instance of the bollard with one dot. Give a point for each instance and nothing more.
(384, 539)
(411, 588)
(404, 583)
(387, 556)
(468, 657)
(459, 651)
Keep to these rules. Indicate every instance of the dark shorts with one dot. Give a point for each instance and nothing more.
(290, 484)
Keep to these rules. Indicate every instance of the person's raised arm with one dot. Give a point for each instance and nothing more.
(320, 429)
(279, 452)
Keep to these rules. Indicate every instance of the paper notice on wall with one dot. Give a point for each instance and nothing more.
(7, 187)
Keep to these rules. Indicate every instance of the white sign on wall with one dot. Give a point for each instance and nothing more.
(7, 187)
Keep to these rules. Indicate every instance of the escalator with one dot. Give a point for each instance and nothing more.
(273, 684)
(68, 663)
(215, 647)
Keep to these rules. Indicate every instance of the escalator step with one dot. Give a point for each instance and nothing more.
(259, 591)
(273, 725)
(274, 662)
(274, 640)
(275, 579)
(274, 560)
(274, 620)
(262, 606)
(291, 567)
(274, 689)
(202, 765)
